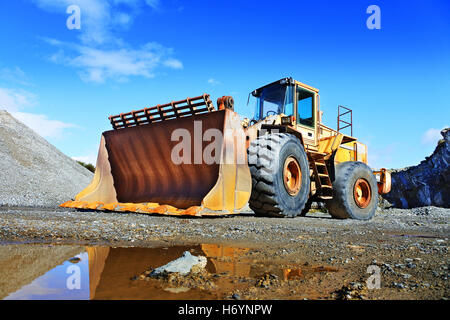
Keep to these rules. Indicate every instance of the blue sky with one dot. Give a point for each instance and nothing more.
(130, 54)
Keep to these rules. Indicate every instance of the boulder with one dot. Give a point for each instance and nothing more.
(183, 265)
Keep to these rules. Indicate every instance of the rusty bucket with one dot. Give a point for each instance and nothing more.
(182, 158)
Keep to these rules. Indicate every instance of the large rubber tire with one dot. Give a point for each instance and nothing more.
(266, 158)
(344, 204)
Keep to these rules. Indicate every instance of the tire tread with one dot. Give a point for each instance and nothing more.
(262, 160)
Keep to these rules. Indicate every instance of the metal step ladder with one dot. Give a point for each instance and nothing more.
(322, 178)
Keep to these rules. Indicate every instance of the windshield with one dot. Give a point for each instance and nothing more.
(273, 100)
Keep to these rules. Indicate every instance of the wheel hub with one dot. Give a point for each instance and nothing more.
(362, 193)
(292, 176)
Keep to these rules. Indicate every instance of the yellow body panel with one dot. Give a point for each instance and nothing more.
(352, 151)
(330, 144)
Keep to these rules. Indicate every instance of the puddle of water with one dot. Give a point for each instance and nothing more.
(70, 272)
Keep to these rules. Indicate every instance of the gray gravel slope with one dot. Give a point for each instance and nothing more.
(32, 171)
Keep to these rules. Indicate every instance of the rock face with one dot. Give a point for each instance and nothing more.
(32, 171)
(427, 184)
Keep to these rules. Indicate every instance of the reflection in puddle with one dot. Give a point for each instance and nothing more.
(107, 273)
(65, 281)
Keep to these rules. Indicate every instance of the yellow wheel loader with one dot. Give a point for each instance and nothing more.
(188, 158)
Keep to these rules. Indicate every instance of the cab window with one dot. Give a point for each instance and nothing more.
(305, 106)
(288, 102)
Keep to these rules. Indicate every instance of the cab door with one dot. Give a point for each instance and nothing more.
(306, 106)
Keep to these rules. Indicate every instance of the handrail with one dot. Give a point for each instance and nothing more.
(347, 124)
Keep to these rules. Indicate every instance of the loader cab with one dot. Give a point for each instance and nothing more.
(274, 99)
(306, 103)
(291, 98)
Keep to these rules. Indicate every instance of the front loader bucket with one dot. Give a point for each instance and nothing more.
(189, 163)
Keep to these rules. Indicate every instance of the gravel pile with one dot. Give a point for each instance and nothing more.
(33, 172)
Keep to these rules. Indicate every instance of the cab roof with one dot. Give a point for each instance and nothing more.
(290, 81)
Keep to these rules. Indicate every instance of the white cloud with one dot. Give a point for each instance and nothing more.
(97, 65)
(173, 63)
(14, 101)
(123, 19)
(91, 158)
(213, 81)
(14, 75)
(95, 17)
(100, 18)
(102, 54)
(432, 136)
(155, 4)
(96, 21)
(381, 157)
(42, 125)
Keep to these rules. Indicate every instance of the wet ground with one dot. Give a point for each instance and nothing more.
(120, 273)
(89, 255)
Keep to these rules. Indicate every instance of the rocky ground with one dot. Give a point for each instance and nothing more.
(409, 246)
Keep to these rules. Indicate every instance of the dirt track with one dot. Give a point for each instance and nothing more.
(409, 246)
